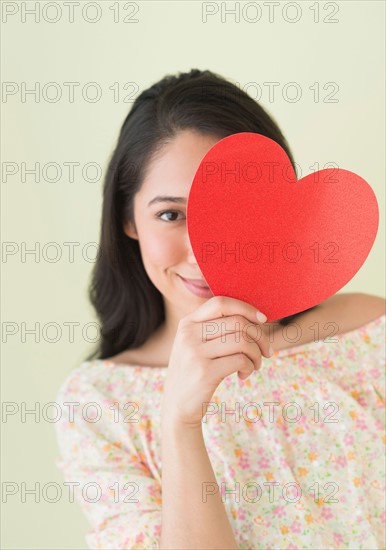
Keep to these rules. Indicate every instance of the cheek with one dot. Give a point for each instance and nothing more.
(160, 249)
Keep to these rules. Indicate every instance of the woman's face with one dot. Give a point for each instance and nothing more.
(160, 223)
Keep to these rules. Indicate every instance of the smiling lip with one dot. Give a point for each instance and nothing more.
(201, 289)
(199, 283)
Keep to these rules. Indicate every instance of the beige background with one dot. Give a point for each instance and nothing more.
(168, 37)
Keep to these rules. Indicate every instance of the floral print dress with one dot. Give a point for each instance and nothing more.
(298, 449)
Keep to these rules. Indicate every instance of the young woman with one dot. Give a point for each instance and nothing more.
(179, 441)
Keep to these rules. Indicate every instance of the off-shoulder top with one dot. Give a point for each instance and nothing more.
(298, 448)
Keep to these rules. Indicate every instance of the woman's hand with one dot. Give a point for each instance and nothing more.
(219, 338)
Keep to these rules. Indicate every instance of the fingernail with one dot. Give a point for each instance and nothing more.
(270, 351)
(261, 317)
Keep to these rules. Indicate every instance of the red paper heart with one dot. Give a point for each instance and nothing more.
(245, 195)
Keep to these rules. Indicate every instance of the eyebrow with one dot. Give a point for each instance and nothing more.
(165, 198)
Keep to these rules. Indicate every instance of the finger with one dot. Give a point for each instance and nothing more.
(216, 348)
(240, 363)
(224, 306)
(235, 324)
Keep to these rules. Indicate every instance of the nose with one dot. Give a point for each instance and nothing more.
(190, 255)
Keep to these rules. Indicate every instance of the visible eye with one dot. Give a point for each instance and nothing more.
(168, 212)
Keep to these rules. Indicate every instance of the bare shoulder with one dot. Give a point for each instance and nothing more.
(340, 313)
(353, 310)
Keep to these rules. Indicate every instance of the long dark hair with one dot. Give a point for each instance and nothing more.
(129, 307)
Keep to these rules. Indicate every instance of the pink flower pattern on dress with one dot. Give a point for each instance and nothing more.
(311, 483)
